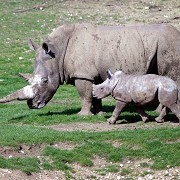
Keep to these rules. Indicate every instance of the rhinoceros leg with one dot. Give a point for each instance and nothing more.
(84, 88)
(159, 108)
(144, 116)
(175, 108)
(97, 106)
(119, 106)
(163, 112)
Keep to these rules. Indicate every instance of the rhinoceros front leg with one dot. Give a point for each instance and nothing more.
(118, 108)
(84, 88)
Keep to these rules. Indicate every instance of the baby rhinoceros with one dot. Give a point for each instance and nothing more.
(139, 90)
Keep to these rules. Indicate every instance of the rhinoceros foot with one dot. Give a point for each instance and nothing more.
(145, 119)
(100, 113)
(159, 120)
(85, 113)
(111, 120)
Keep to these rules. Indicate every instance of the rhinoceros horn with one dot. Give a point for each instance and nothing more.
(22, 94)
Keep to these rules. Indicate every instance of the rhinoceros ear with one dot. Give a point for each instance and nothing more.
(109, 74)
(49, 49)
(32, 45)
(28, 77)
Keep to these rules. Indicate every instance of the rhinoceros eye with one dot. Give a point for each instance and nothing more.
(44, 80)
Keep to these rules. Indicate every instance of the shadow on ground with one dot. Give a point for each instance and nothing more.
(128, 115)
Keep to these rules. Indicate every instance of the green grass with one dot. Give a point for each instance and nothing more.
(151, 143)
(27, 165)
(20, 125)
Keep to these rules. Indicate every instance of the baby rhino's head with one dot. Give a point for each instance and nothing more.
(104, 89)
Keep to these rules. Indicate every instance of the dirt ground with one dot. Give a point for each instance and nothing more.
(143, 11)
(88, 173)
(104, 126)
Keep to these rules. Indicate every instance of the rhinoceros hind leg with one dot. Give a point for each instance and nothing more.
(112, 120)
(84, 88)
(144, 116)
(163, 113)
(159, 108)
(119, 106)
(175, 108)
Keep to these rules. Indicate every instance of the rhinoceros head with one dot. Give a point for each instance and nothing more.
(104, 89)
(46, 78)
(44, 81)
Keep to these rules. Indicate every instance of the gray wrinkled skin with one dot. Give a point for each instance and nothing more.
(80, 54)
(139, 90)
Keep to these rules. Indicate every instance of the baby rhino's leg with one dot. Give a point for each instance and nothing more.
(168, 99)
(175, 108)
(159, 108)
(163, 113)
(119, 106)
(144, 116)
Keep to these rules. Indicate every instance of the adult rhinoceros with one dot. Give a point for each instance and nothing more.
(80, 54)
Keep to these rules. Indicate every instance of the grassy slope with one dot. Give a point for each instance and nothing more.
(15, 57)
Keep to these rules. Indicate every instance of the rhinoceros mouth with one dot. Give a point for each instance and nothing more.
(35, 103)
(41, 105)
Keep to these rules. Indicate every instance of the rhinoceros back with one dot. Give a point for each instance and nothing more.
(94, 49)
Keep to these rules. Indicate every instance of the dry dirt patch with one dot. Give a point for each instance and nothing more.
(104, 126)
(135, 169)
(33, 150)
(99, 171)
(6, 174)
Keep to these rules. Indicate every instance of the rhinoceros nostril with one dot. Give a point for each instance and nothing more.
(38, 102)
(41, 105)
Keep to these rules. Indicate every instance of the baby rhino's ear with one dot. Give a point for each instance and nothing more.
(118, 74)
(109, 74)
